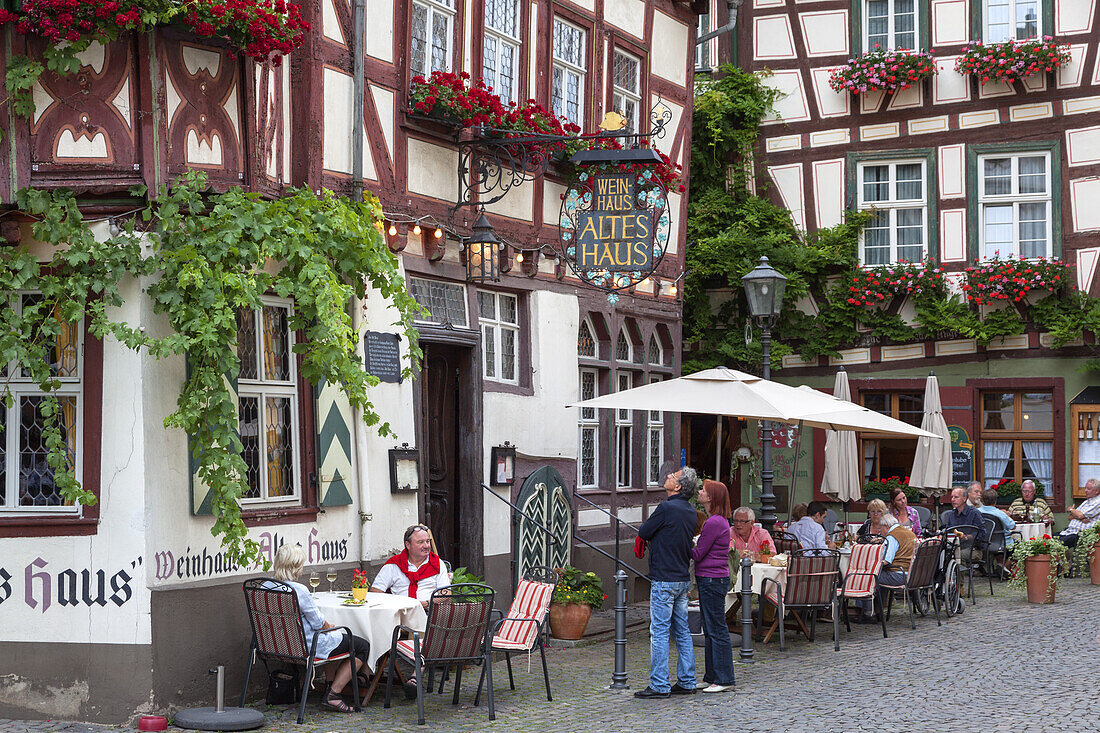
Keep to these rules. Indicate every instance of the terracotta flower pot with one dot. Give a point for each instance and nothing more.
(569, 620)
(1094, 564)
(1040, 589)
(359, 594)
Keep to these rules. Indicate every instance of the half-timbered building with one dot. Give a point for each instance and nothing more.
(958, 171)
(122, 606)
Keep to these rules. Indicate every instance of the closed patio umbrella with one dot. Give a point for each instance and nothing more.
(843, 478)
(931, 472)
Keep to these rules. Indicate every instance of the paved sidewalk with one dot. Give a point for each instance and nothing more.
(1002, 666)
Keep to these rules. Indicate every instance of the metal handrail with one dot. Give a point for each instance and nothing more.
(523, 514)
(597, 506)
(609, 556)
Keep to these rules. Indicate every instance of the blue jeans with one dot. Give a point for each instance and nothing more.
(718, 651)
(668, 609)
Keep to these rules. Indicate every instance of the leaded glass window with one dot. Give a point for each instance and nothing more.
(655, 442)
(444, 303)
(568, 72)
(656, 353)
(267, 407)
(432, 37)
(627, 95)
(624, 435)
(498, 314)
(500, 58)
(586, 342)
(27, 482)
(624, 350)
(588, 429)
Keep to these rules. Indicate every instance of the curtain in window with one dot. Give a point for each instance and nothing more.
(1039, 455)
(997, 454)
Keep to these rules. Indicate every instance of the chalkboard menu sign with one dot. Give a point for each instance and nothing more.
(383, 356)
(962, 456)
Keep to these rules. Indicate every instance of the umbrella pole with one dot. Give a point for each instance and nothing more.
(794, 474)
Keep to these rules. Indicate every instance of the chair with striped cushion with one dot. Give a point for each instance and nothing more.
(522, 629)
(457, 634)
(811, 584)
(785, 542)
(861, 580)
(278, 635)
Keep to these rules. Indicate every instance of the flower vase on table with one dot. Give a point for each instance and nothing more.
(359, 585)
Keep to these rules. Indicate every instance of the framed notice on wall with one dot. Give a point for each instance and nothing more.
(382, 352)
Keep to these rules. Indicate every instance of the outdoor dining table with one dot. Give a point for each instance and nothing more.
(1032, 530)
(375, 620)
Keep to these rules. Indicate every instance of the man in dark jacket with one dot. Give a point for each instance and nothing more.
(669, 531)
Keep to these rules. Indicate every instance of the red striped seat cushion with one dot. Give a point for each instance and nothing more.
(863, 568)
(521, 627)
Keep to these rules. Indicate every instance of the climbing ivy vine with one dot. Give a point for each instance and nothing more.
(202, 258)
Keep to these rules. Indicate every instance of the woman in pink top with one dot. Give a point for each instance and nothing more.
(747, 537)
(712, 577)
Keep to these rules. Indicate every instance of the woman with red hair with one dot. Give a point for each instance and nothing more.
(712, 576)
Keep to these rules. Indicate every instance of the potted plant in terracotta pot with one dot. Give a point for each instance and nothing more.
(1088, 542)
(359, 584)
(575, 595)
(1038, 562)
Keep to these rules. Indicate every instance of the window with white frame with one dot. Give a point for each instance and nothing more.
(268, 402)
(1012, 20)
(895, 193)
(626, 96)
(500, 57)
(624, 435)
(432, 36)
(889, 24)
(655, 442)
(1014, 202)
(702, 50)
(498, 314)
(26, 478)
(568, 73)
(588, 428)
(656, 351)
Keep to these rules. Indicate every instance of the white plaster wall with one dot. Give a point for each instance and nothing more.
(432, 170)
(541, 426)
(336, 145)
(379, 27)
(30, 604)
(629, 15)
(670, 52)
(331, 23)
(518, 204)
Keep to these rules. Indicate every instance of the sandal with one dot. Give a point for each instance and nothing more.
(333, 701)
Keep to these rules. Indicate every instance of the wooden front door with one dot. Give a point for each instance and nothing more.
(439, 398)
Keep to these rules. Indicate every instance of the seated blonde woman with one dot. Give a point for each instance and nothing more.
(875, 509)
(289, 561)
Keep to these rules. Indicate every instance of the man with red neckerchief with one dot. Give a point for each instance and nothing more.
(416, 571)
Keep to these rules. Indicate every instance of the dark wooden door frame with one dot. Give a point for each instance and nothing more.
(470, 452)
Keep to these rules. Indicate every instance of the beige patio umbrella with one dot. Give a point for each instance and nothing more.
(842, 478)
(725, 391)
(931, 472)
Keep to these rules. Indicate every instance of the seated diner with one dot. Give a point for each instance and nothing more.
(906, 515)
(416, 571)
(1027, 507)
(875, 509)
(746, 536)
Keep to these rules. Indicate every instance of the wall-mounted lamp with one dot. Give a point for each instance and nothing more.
(503, 469)
(482, 249)
(404, 470)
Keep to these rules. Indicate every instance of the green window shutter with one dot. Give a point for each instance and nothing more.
(333, 418)
(200, 492)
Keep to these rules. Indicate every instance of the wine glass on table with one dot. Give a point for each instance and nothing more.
(330, 576)
(314, 581)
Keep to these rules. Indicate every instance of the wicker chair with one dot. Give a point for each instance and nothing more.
(921, 577)
(861, 580)
(811, 584)
(278, 635)
(457, 634)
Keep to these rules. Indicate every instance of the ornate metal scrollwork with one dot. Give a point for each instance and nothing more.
(492, 165)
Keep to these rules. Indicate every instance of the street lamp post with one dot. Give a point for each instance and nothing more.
(764, 288)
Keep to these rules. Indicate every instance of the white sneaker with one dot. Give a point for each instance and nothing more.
(718, 688)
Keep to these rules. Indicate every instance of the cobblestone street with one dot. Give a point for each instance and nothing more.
(1000, 666)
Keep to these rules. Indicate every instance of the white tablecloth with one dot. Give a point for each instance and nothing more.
(759, 572)
(845, 558)
(1032, 530)
(374, 621)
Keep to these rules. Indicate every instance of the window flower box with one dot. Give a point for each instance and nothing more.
(883, 70)
(1010, 280)
(1012, 60)
(873, 286)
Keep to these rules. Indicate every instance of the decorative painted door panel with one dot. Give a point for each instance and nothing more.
(545, 500)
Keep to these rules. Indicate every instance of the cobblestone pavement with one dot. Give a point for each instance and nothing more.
(1003, 665)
